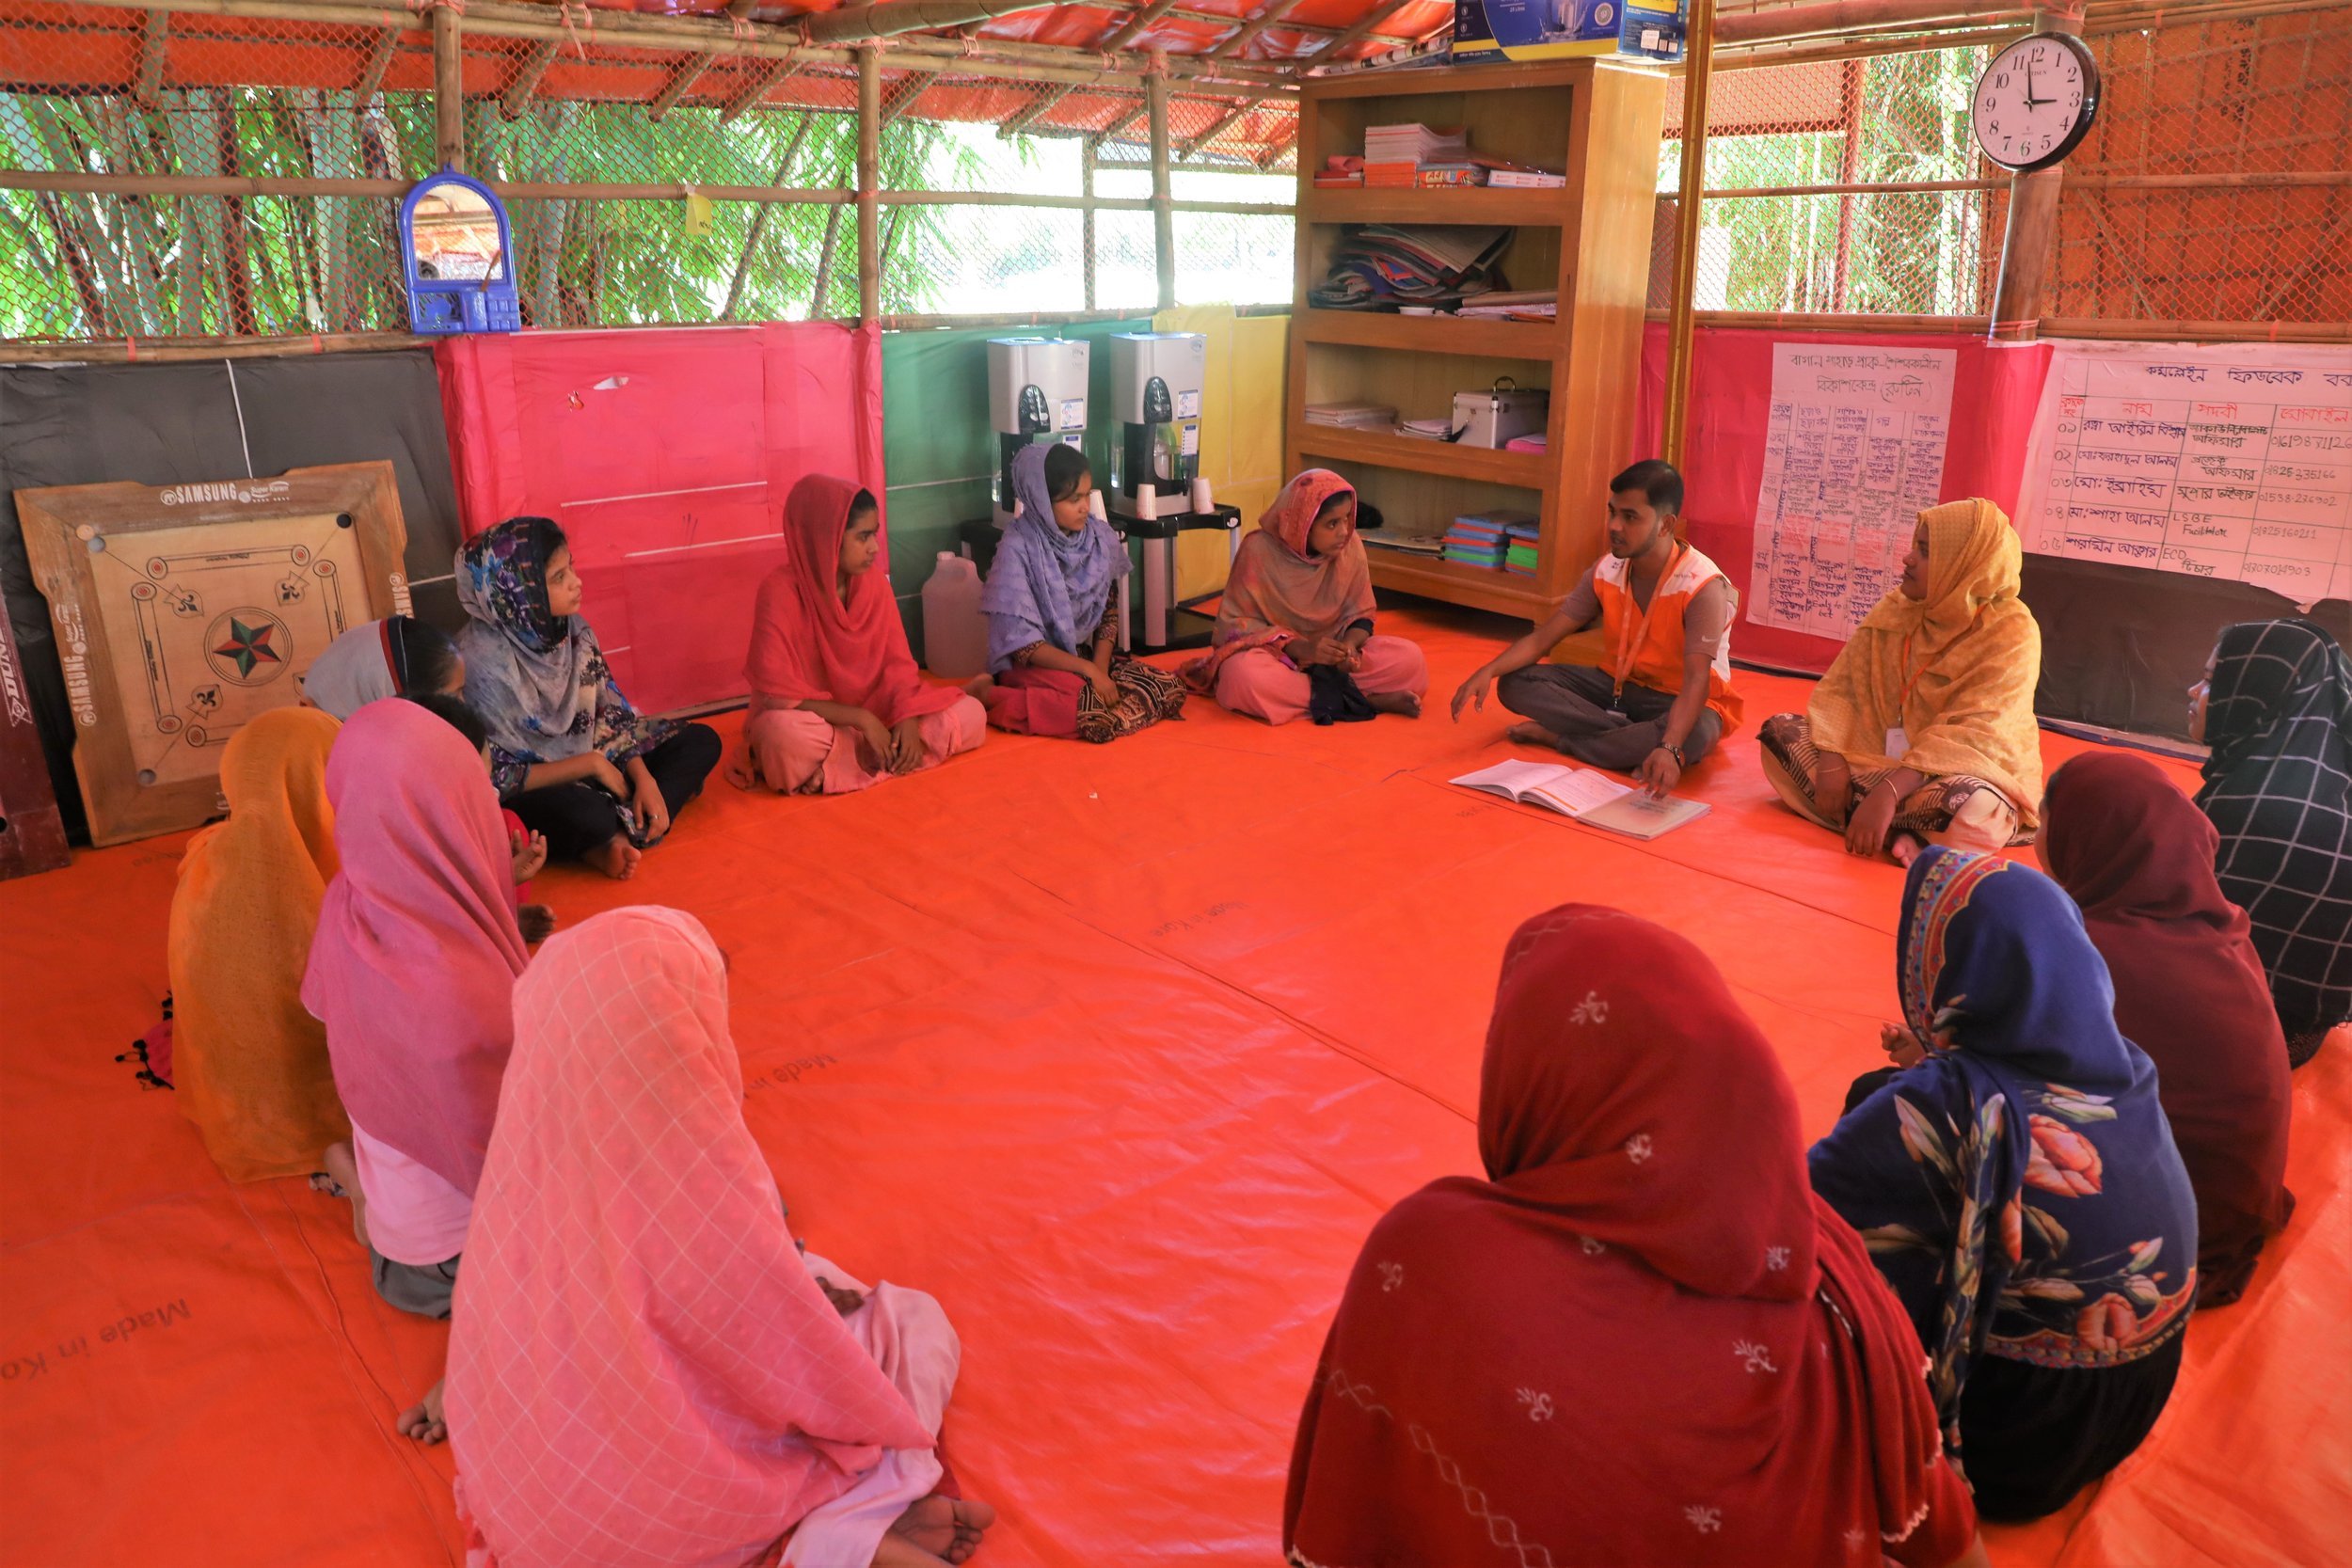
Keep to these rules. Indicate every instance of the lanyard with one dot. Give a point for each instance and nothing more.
(1636, 624)
(1902, 702)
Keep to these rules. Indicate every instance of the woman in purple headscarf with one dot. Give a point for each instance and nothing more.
(1053, 627)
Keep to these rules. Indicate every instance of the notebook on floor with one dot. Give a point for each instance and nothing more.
(1586, 796)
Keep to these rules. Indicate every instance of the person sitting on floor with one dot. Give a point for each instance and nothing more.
(1923, 730)
(249, 1065)
(536, 921)
(412, 972)
(569, 754)
(2018, 1185)
(397, 657)
(1640, 1337)
(2276, 706)
(1293, 630)
(710, 1388)
(1052, 619)
(2137, 857)
(837, 702)
(1665, 698)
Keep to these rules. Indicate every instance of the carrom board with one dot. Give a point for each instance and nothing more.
(184, 610)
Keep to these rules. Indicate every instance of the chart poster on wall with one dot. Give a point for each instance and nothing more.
(185, 611)
(1853, 451)
(2217, 460)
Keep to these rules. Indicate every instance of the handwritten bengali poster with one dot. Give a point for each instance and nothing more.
(1853, 451)
(2219, 460)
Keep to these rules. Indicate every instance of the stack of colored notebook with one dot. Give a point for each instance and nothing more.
(1490, 538)
(1380, 267)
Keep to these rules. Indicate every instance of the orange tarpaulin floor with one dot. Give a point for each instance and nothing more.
(1116, 1051)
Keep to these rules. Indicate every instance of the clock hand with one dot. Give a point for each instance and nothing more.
(2031, 102)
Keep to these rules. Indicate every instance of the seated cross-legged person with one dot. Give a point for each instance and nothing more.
(1638, 1338)
(1293, 632)
(837, 702)
(2276, 706)
(1053, 614)
(397, 657)
(1664, 698)
(1923, 730)
(568, 752)
(644, 1368)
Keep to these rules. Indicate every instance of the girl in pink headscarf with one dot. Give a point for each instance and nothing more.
(412, 972)
(644, 1370)
(836, 704)
(1293, 634)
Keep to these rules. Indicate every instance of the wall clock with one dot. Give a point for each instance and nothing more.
(2036, 101)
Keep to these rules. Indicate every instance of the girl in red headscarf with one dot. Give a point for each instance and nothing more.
(837, 702)
(1294, 633)
(1641, 1338)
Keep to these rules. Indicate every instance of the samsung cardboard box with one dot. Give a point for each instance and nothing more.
(1565, 29)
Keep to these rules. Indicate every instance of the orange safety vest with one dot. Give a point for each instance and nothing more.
(1645, 646)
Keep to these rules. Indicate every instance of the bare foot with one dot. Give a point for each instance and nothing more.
(343, 1168)
(1403, 704)
(422, 1420)
(616, 857)
(944, 1529)
(537, 922)
(1905, 849)
(1532, 734)
(981, 686)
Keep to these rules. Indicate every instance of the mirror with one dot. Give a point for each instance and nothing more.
(455, 234)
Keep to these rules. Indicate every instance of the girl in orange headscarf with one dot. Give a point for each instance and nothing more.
(1299, 600)
(836, 702)
(249, 1064)
(1923, 730)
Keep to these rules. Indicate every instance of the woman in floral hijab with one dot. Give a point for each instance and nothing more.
(2017, 1184)
(568, 754)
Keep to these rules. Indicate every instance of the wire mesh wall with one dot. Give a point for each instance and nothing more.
(596, 143)
(2236, 104)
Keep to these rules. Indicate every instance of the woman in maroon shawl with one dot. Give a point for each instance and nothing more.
(836, 702)
(1641, 1340)
(2137, 856)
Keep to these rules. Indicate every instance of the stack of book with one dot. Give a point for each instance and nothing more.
(1520, 560)
(1486, 539)
(1352, 415)
(1340, 171)
(1382, 266)
(1394, 155)
(1524, 443)
(1427, 430)
(1524, 179)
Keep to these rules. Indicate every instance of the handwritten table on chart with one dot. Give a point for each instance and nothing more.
(1853, 453)
(2220, 460)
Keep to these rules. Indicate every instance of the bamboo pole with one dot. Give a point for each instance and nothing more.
(243, 185)
(449, 88)
(119, 351)
(2031, 230)
(1268, 15)
(681, 81)
(1086, 219)
(154, 46)
(1699, 76)
(1163, 216)
(1841, 18)
(870, 182)
(518, 92)
(851, 23)
(379, 60)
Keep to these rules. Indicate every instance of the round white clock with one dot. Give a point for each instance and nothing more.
(2036, 101)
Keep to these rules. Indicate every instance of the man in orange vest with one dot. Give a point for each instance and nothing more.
(1663, 696)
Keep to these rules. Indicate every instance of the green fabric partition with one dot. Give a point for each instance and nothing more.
(938, 449)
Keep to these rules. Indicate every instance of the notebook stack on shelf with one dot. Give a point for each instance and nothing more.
(1513, 175)
(1524, 443)
(1486, 538)
(1394, 155)
(1380, 266)
(1427, 430)
(1352, 415)
(1430, 544)
(1520, 560)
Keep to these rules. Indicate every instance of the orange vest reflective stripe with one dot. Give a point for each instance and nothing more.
(1644, 647)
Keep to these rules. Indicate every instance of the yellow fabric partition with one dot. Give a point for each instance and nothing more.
(1241, 425)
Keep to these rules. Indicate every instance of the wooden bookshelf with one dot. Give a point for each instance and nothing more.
(1600, 122)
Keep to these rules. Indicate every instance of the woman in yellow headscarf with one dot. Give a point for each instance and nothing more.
(248, 1063)
(1923, 731)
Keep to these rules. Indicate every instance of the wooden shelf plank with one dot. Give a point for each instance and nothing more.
(1505, 206)
(1528, 470)
(1478, 587)
(1485, 77)
(1480, 337)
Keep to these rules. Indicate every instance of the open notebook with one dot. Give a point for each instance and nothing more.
(1590, 798)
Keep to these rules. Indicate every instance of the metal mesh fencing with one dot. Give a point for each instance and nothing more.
(2244, 131)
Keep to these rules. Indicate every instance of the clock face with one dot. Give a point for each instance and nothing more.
(2036, 101)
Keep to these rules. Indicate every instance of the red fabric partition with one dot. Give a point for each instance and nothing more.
(1995, 389)
(665, 454)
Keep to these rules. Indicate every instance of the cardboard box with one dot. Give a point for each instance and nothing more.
(1565, 29)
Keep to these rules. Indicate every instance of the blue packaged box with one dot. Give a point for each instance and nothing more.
(1567, 29)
